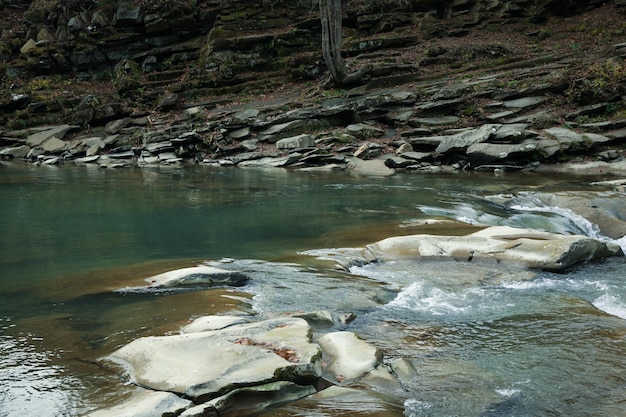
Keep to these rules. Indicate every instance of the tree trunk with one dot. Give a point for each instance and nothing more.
(330, 18)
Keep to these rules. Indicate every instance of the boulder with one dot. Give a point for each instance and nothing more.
(146, 403)
(521, 247)
(206, 365)
(197, 276)
(348, 358)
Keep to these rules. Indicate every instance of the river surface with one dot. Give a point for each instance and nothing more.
(75, 241)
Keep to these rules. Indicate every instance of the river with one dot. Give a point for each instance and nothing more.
(75, 241)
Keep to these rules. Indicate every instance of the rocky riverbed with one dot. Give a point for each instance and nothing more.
(244, 365)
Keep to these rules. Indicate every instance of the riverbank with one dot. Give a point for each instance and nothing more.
(498, 96)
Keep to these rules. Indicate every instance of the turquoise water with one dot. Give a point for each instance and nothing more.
(71, 236)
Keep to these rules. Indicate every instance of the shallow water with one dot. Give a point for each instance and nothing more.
(485, 342)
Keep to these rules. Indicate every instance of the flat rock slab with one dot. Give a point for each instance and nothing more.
(462, 140)
(523, 247)
(206, 365)
(197, 276)
(145, 403)
(40, 137)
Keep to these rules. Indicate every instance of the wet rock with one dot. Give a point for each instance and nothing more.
(359, 402)
(207, 365)
(197, 276)
(524, 247)
(207, 323)
(605, 210)
(265, 397)
(349, 358)
(146, 403)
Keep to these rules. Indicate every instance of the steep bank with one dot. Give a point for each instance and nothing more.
(225, 82)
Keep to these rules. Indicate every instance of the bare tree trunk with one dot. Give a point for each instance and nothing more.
(330, 18)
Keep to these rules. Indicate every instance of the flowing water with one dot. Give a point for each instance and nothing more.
(484, 342)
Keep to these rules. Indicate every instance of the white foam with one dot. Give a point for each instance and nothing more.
(611, 304)
(432, 300)
(508, 392)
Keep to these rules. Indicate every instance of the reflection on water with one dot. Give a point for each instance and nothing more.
(31, 385)
(485, 341)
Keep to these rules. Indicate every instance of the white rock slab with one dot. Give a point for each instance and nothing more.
(349, 358)
(145, 403)
(197, 276)
(207, 323)
(524, 247)
(206, 365)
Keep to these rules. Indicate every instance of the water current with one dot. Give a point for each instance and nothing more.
(484, 341)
